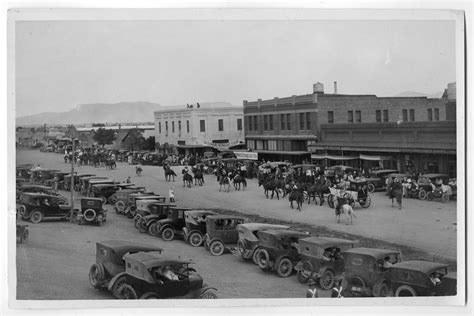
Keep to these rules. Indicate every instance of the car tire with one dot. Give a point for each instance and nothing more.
(22, 211)
(216, 247)
(304, 274)
(209, 294)
(255, 256)
(36, 217)
(96, 275)
(263, 259)
(429, 196)
(326, 281)
(142, 226)
(405, 290)
(135, 222)
(385, 291)
(149, 296)
(117, 285)
(127, 292)
(120, 207)
(422, 194)
(445, 197)
(241, 249)
(371, 187)
(153, 229)
(284, 267)
(195, 239)
(331, 201)
(167, 234)
(89, 215)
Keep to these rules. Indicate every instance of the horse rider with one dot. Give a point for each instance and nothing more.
(185, 170)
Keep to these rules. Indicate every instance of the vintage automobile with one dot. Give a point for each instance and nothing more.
(40, 175)
(221, 233)
(195, 228)
(104, 191)
(278, 250)
(91, 212)
(356, 192)
(32, 188)
(173, 224)
(144, 208)
(57, 177)
(420, 278)
(149, 276)
(131, 210)
(321, 259)
(109, 263)
(84, 183)
(22, 233)
(377, 179)
(331, 172)
(123, 197)
(433, 186)
(248, 238)
(24, 171)
(77, 182)
(93, 182)
(158, 211)
(38, 206)
(365, 273)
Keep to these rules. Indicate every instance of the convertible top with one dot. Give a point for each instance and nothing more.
(372, 252)
(262, 226)
(121, 247)
(418, 265)
(153, 259)
(326, 242)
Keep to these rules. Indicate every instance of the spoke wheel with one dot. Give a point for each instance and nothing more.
(326, 281)
(127, 292)
(167, 234)
(371, 187)
(117, 285)
(284, 267)
(153, 229)
(255, 256)
(96, 275)
(209, 294)
(216, 247)
(36, 217)
(195, 239)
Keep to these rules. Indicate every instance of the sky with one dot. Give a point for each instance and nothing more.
(62, 64)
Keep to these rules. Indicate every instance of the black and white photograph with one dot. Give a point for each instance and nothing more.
(204, 157)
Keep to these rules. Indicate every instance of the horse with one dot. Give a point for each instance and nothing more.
(269, 185)
(347, 210)
(224, 181)
(169, 173)
(138, 170)
(187, 180)
(198, 177)
(110, 164)
(238, 180)
(396, 193)
(298, 196)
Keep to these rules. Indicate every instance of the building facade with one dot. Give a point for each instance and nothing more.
(194, 130)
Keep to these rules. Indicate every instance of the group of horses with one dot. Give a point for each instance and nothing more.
(96, 160)
(197, 176)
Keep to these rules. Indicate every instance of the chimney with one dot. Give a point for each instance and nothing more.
(335, 87)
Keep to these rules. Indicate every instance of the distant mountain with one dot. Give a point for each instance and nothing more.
(123, 112)
(436, 95)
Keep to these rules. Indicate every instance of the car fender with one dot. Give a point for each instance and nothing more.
(324, 269)
(162, 228)
(377, 287)
(206, 288)
(114, 279)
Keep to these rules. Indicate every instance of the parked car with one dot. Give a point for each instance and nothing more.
(123, 197)
(195, 228)
(57, 177)
(109, 263)
(173, 224)
(38, 206)
(248, 238)
(24, 171)
(356, 192)
(321, 260)
(34, 188)
(221, 233)
(365, 271)
(158, 211)
(419, 278)
(76, 180)
(378, 178)
(149, 276)
(131, 210)
(40, 175)
(433, 186)
(331, 172)
(144, 207)
(93, 182)
(84, 183)
(278, 250)
(91, 212)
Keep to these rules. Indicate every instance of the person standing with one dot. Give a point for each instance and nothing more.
(171, 195)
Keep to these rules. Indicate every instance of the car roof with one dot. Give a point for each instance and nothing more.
(419, 265)
(199, 212)
(325, 242)
(91, 199)
(103, 185)
(123, 246)
(434, 175)
(262, 226)
(36, 186)
(372, 252)
(284, 233)
(219, 216)
(38, 194)
(153, 259)
(147, 197)
(384, 171)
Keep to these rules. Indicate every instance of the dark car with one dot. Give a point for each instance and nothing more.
(149, 276)
(33, 188)
(158, 211)
(337, 171)
(321, 259)
(91, 212)
(173, 224)
(38, 206)
(84, 183)
(131, 210)
(377, 179)
(221, 233)
(103, 191)
(434, 185)
(195, 228)
(122, 198)
(76, 180)
(24, 171)
(420, 278)
(144, 208)
(97, 182)
(109, 263)
(279, 250)
(365, 271)
(57, 179)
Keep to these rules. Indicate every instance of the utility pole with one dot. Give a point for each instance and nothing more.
(72, 178)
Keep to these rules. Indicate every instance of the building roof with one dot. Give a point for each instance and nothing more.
(115, 127)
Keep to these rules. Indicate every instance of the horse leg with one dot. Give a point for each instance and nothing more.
(291, 204)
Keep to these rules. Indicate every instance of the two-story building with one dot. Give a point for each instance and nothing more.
(197, 129)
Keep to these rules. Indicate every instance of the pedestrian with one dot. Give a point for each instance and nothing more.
(171, 194)
(129, 180)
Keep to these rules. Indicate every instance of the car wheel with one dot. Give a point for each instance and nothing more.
(153, 229)
(284, 267)
(36, 217)
(141, 225)
(195, 239)
(112, 199)
(167, 234)
(117, 285)
(89, 215)
(132, 211)
(209, 294)
(429, 196)
(365, 203)
(331, 201)
(103, 199)
(326, 281)
(241, 249)
(22, 211)
(445, 197)
(371, 187)
(135, 222)
(405, 290)
(216, 248)
(422, 194)
(119, 207)
(96, 275)
(305, 272)
(255, 256)
(385, 291)
(127, 292)
(263, 259)
(149, 296)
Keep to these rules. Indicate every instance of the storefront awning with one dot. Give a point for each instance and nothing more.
(279, 152)
(362, 157)
(374, 158)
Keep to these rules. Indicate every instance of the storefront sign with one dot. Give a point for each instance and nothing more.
(246, 155)
(221, 146)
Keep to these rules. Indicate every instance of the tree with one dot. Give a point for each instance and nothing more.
(104, 136)
(150, 143)
(134, 140)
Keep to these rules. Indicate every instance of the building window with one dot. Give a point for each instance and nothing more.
(405, 115)
(220, 124)
(250, 123)
(265, 123)
(270, 121)
(288, 121)
(430, 114)
(301, 121)
(330, 117)
(350, 116)
(179, 127)
(203, 125)
(187, 126)
(172, 127)
(239, 124)
(412, 115)
(358, 117)
(255, 124)
(436, 111)
(166, 125)
(308, 120)
(378, 116)
(385, 115)
(159, 127)
(282, 120)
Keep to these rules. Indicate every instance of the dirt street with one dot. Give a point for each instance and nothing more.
(55, 262)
